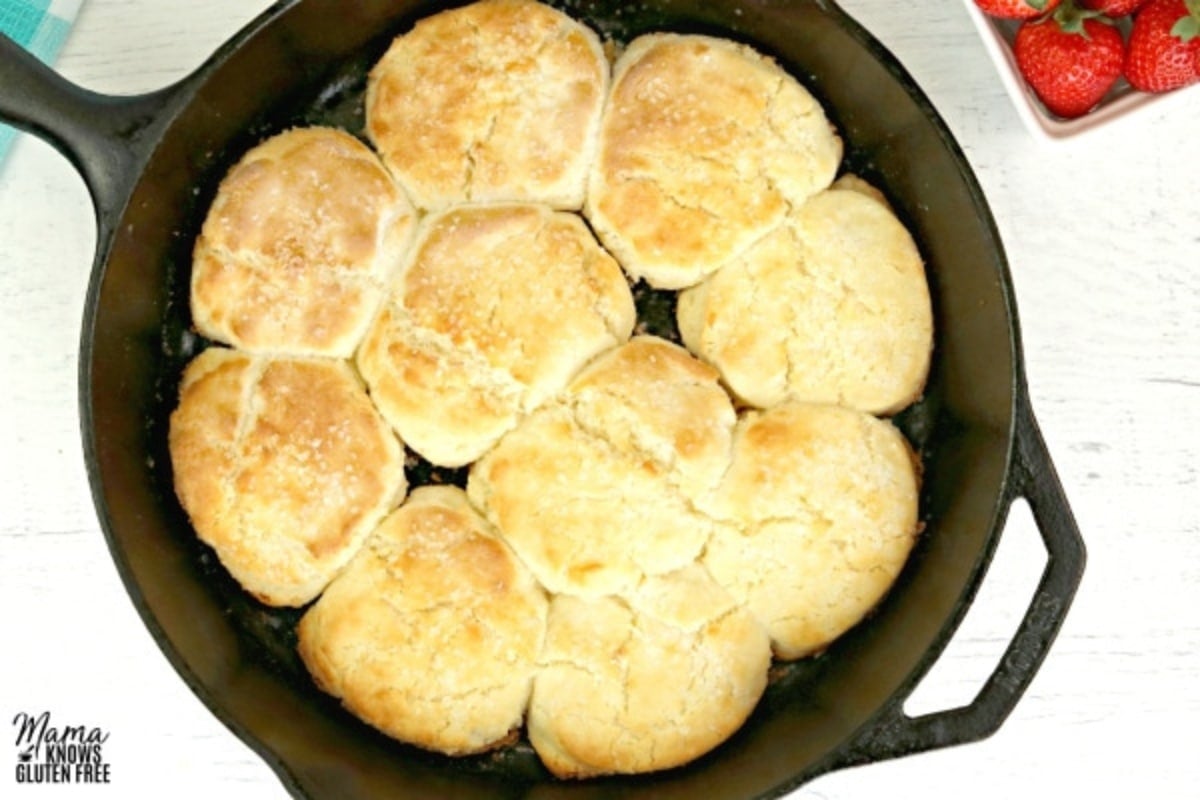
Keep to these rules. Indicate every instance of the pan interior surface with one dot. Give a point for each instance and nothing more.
(306, 63)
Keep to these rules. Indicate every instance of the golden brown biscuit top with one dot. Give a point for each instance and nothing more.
(495, 101)
(802, 460)
(307, 447)
(821, 509)
(704, 145)
(646, 681)
(433, 631)
(597, 489)
(652, 398)
(438, 526)
(832, 306)
(309, 198)
(284, 466)
(495, 310)
(518, 284)
(299, 242)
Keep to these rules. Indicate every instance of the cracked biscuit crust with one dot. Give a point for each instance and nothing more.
(301, 239)
(497, 307)
(704, 145)
(831, 307)
(648, 681)
(820, 513)
(433, 631)
(598, 489)
(284, 467)
(499, 100)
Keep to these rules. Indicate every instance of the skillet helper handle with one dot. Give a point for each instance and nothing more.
(894, 733)
(106, 138)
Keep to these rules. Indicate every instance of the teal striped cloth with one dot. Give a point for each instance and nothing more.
(41, 27)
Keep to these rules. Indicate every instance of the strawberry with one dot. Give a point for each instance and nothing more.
(1070, 59)
(1016, 9)
(1114, 8)
(1164, 46)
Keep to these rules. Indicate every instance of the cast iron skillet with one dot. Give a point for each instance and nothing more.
(152, 164)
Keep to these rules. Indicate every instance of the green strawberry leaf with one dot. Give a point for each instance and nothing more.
(1070, 18)
(1186, 29)
(1188, 26)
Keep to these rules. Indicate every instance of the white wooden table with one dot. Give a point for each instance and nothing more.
(1103, 235)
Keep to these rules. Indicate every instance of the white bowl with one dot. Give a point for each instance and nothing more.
(1120, 102)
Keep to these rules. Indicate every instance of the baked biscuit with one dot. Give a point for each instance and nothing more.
(597, 490)
(820, 513)
(495, 310)
(652, 399)
(284, 467)
(831, 307)
(298, 245)
(432, 632)
(704, 145)
(646, 682)
(496, 101)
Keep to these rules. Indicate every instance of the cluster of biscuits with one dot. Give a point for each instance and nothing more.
(645, 524)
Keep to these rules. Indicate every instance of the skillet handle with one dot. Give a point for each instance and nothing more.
(894, 733)
(108, 139)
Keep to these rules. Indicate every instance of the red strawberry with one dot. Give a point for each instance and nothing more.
(1070, 59)
(1114, 8)
(1164, 46)
(1016, 9)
